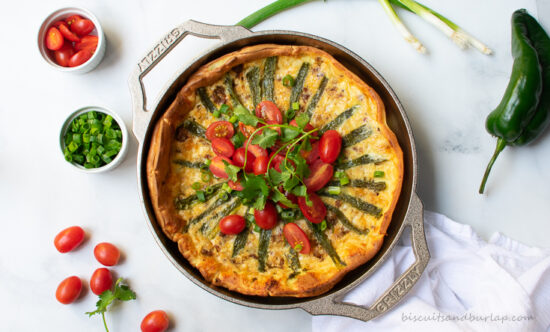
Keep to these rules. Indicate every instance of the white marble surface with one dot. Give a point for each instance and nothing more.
(447, 95)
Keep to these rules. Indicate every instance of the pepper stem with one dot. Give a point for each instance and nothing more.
(501, 144)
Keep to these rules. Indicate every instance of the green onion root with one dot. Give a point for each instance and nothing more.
(407, 35)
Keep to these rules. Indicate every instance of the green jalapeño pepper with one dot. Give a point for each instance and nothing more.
(524, 111)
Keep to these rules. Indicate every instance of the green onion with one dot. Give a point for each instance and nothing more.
(256, 228)
(298, 247)
(226, 188)
(196, 186)
(296, 106)
(223, 196)
(334, 190)
(288, 81)
(224, 108)
(233, 119)
(278, 208)
(323, 225)
(379, 174)
(209, 190)
(200, 196)
(206, 176)
(287, 214)
(208, 162)
(216, 114)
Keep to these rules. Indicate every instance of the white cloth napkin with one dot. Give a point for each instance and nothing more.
(468, 285)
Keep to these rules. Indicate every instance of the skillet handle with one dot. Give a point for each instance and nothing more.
(142, 115)
(333, 305)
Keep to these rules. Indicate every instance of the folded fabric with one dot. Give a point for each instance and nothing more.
(468, 285)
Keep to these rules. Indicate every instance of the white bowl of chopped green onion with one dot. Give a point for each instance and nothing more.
(94, 139)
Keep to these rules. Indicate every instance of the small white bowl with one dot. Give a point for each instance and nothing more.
(62, 14)
(123, 149)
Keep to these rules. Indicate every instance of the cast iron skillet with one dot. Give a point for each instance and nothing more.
(408, 212)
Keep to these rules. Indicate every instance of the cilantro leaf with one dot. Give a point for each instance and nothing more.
(238, 139)
(259, 204)
(266, 139)
(289, 133)
(301, 168)
(253, 186)
(231, 171)
(278, 196)
(305, 145)
(277, 178)
(291, 183)
(121, 292)
(302, 120)
(244, 116)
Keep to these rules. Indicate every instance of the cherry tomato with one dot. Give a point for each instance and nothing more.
(86, 42)
(238, 159)
(220, 129)
(269, 111)
(266, 218)
(277, 161)
(257, 151)
(315, 213)
(291, 197)
(68, 239)
(101, 280)
(155, 321)
(308, 127)
(277, 129)
(106, 253)
(217, 166)
(329, 146)
(312, 155)
(68, 34)
(73, 18)
(246, 130)
(82, 27)
(80, 57)
(68, 290)
(223, 147)
(63, 54)
(232, 224)
(59, 23)
(235, 185)
(54, 39)
(295, 236)
(319, 175)
(260, 165)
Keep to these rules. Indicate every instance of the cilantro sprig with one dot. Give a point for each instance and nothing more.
(120, 292)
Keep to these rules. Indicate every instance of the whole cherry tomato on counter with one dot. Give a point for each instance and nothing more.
(68, 290)
(106, 253)
(155, 321)
(101, 280)
(68, 239)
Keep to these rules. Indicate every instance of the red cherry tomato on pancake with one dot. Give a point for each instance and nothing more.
(101, 280)
(260, 165)
(232, 224)
(68, 239)
(266, 218)
(223, 147)
(217, 166)
(329, 146)
(68, 290)
(106, 253)
(220, 129)
(296, 237)
(239, 156)
(315, 213)
(235, 185)
(246, 130)
(319, 175)
(155, 321)
(54, 39)
(267, 110)
(312, 155)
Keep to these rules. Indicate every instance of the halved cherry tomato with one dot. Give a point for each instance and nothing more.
(329, 146)
(260, 165)
(246, 130)
(82, 27)
(238, 159)
(312, 155)
(223, 147)
(86, 42)
(73, 18)
(235, 185)
(106, 253)
(315, 213)
(319, 175)
(277, 129)
(68, 34)
(220, 129)
(54, 39)
(80, 57)
(64, 54)
(256, 150)
(295, 236)
(68, 239)
(59, 23)
(155, 321)
(266, 218)
(101, 280)
(217, 166)
(269, 111)
(277, 161)
(308, 127)
(232, 224)
(68, 290)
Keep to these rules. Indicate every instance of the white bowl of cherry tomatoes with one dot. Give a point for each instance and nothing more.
(72, 40)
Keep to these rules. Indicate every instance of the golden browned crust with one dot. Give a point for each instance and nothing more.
(158, 176)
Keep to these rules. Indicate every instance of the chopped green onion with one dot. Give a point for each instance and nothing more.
(196, 186)
(298, 247)
(209, 190)
(206, 176)
(216, 114)
(278, 208)
(287, 214)
(334, 190)
(256, 228)
(233, 119)
(223, 196)
(379, 174)
(323, 225)
(208, 162)
(296, 106)
(288, 81)
(224, 108)
(200, 196)
(226, 188)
